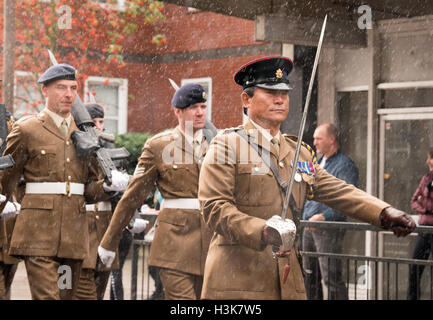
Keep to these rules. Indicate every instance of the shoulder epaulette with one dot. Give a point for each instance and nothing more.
(161, 134)
(25, 118)
(229, 130)
(295, 139)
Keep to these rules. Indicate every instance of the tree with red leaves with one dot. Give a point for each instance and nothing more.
(80, 32)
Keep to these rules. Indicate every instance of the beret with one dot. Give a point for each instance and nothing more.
(188, 94)
(268, 73)
(61, 71)
(95, 110)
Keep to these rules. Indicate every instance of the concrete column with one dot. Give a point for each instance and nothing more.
(326, 111)
(9, 53)
(374, 49)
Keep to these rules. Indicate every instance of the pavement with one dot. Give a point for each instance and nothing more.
(20, 289)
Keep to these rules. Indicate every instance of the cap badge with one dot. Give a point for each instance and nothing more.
(204, 95)
(279, 73)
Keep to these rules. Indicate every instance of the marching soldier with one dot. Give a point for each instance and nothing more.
(94, 274)
(51, 232)
(239, 194)
(8, 264)
(171, 160)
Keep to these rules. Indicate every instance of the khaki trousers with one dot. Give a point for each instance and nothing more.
(86, 289)
(180, 285)
(92, 284)
(7, 273)
(52, 278)
(101, 281)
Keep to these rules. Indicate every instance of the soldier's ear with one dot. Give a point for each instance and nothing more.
(177, 111)
(246, 100)
(44, 89)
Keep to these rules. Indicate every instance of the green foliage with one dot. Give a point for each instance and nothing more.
(133, 142)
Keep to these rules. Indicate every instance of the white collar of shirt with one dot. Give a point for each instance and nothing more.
(323, 162)
(58, 119)
(198, 136)
(266, 132)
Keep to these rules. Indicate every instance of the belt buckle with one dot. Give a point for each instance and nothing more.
(68, 188)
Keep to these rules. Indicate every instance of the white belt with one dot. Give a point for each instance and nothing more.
(100, 206)
(55, 188)
(181, 203)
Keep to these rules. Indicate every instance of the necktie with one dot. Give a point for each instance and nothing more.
(275, 144)
(196, 146)
(64, 128)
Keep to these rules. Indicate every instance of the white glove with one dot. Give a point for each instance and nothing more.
(139, 226)
(106, 256)
(119, 181)
(2, 198)
(11, 209)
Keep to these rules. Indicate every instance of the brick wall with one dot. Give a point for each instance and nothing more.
(150, 109)
(201, 44)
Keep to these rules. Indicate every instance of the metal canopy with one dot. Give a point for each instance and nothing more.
(335, 9)
(298, 21)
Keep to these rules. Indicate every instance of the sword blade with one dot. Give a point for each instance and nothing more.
(173, 84)
(52, 57)
(304, 119)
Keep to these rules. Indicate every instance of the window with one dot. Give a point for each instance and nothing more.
(192, 10)
(28, 98)
(112, 94)
(116, 4)
(206, 83)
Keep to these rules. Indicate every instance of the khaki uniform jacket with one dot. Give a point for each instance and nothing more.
(7, 224)
(181, 237)
(238, 193)
(49, 224)
(98, 222)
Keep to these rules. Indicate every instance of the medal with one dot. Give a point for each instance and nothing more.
(298, 177)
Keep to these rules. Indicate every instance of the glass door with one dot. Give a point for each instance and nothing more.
(406, 135)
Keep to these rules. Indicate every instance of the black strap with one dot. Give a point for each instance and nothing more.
(266, 156)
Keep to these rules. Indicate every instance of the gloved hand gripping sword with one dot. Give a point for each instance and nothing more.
(286, 227)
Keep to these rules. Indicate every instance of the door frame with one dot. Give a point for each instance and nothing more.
(396, 114)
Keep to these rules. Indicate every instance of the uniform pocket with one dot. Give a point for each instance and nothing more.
(30, 202)
(242, 187)
(172, 216)
(255, 185)
(177, 174)
(43, 160)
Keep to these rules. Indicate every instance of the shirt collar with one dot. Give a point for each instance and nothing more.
(266, 133)
(198, 136)
(58, 119)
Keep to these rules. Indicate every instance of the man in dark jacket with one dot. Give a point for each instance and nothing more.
(326, 240)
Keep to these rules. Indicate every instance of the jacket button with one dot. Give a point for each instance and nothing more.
(69, 178)
(68, 160)
(281, 164)
(67, 143)
(174, 166)
(43, 152)
(97, 217)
